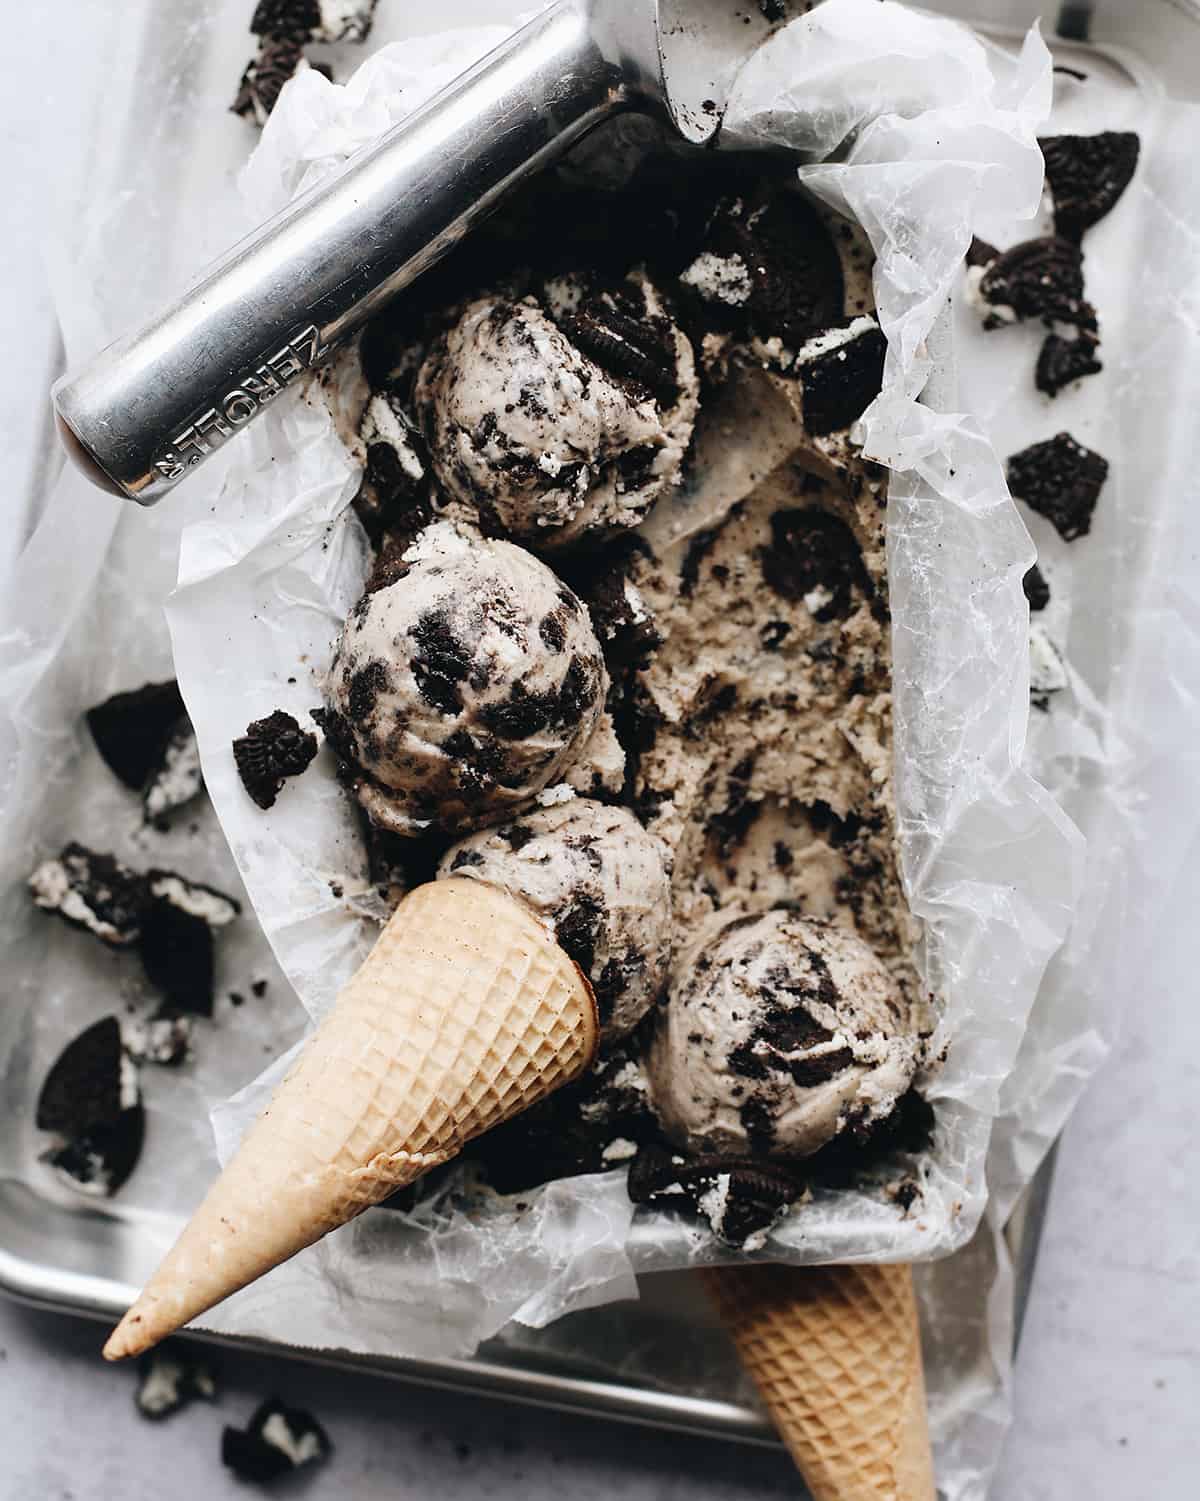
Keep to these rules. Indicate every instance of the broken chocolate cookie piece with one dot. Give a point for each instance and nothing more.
(768, 267)
(271, 750)
(841, 372)
(94, 892)
(133, 730)
(278, 60)
(1087, 175)
(1061, 480)
(171, 1377)
(91, 1102)
(1063, 361)
(1037, 590)
(314, 20)
(277, 1441)
(177, 940)
(742, 1200)
(1036, 279)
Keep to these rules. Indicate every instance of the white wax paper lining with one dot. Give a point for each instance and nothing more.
(991, 863)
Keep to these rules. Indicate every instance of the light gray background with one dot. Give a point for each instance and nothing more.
(1107, 1389)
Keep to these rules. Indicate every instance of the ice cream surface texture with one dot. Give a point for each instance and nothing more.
(601, 881)
(783, 1032)
(560, 416)
(464, 687)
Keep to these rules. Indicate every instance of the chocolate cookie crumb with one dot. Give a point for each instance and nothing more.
(1037, 590)
(171, 1377)
(278, 59)
(1087, 175)
(841, 384)
(1037, 279)
(1065, 360)
(94, 892)
(1061, 480)
(271, 750)
(277, 1441)
(91, 1101)
(133, 730)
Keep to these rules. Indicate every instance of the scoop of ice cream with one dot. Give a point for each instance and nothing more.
(464, 687)
(560, 417)
(601, 880)
(782, 1032)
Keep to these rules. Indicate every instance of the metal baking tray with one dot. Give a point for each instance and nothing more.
(89, 1262)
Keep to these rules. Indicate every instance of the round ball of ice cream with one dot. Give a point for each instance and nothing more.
(563, 416)
(784, 1031)
(464, 687)
(601, 880)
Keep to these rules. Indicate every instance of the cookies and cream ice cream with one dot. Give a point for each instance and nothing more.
(465, 687)
(601, 881)
(780, 1032)
(561, 416)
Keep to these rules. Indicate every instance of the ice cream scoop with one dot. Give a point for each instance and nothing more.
(601, 881)
(465, 687)
(154, 405)
(781, 1032)
(561, 417)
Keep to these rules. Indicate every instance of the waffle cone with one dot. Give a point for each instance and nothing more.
(465, 1012)
(836, 1355)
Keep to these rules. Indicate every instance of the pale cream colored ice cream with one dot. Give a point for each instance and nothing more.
(601, 880)
(562, 416)
(464, 688)
(781, 1032)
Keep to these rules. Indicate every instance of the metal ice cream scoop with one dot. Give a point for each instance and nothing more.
(154, 405)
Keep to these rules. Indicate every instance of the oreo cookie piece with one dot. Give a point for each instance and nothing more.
(278, 1440)
(133, 730)
(271, 750)
(741, 1200)
(841, 372)
(1037, 590)
(279, 59)
(1061, 480)
(177, 939)
(1087, 175)
(813, 556)
(1063, 361)
(178, 780)
(91, 1102)
(314, 20)
(171, 1377)
(94, 892)
(769, 267)
(1036, 279)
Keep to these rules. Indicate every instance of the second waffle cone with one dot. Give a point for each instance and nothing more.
(465, 1012)
(835, 1352)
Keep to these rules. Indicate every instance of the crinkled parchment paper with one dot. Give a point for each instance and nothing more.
(268, 568)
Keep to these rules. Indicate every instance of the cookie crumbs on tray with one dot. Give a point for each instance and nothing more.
(170, 1378)
(277, 1441)
(91, 1103)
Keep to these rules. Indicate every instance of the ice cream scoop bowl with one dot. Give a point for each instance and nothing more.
(154, 405)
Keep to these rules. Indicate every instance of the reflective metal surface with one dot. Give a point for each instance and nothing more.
(154, 405)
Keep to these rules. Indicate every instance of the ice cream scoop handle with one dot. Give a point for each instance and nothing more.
(153, 406)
